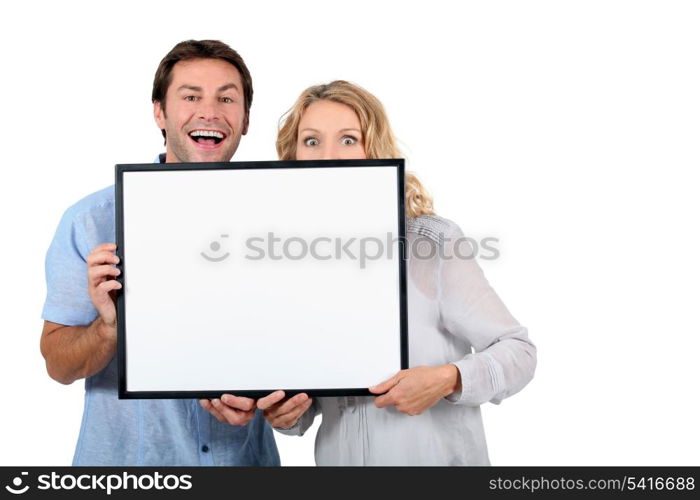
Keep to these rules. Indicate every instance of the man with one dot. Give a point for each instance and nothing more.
(202, 94)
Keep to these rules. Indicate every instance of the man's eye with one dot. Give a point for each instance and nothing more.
(226, 100)
(311, 141)
(191, 98)
(348, 140)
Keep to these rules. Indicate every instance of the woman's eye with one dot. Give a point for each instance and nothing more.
(311, 141)
(348, 141)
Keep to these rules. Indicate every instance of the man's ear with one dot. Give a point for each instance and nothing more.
(159, 114)
(245, 124)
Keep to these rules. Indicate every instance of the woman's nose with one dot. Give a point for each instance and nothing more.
(329, 152)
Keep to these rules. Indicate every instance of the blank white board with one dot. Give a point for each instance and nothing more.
(247, 277)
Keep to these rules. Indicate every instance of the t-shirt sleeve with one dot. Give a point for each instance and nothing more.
(67, 300)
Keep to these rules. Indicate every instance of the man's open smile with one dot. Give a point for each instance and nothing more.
(207, 139)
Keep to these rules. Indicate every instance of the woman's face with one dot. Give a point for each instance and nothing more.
(329, 130)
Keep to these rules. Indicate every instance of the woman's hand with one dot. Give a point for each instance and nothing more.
(415, 390)
(284, 413)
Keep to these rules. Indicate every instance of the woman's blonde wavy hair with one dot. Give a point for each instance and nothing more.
(377, 135)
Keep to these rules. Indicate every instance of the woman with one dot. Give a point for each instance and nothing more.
(428, 414)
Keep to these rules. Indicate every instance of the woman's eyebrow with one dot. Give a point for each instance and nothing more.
(342, 130)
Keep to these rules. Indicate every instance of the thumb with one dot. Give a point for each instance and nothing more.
(386, 385)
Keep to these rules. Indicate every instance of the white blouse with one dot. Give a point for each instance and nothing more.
(454, 316)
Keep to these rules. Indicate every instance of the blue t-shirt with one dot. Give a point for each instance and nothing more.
(153, 432)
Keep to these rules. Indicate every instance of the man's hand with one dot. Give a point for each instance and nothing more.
(281, 412)
(102, 284)
(74, 352)
(415, 390)
(233, 410)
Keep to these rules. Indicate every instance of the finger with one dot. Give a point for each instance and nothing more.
(238, 402)
(206, 404)
(292, 403)
(105, 247)
(290, 419)
(270, 400)
(95, 254)
(107, 286)
(386, 385)
(102, 258)
(104, 299)
(283, 408)
(215, 413)
(97, 273)
(233, 416)
(296, 414)
(385, 400)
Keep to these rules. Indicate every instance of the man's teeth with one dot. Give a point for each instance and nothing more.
(207, 133)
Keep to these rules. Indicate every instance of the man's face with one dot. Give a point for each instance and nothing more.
(204, 114)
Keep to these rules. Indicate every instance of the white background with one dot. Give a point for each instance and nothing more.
(569, 130)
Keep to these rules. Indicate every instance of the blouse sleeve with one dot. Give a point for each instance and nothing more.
(504, 358)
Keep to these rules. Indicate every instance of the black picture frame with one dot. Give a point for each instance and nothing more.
(122, 253)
